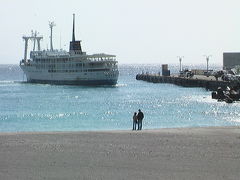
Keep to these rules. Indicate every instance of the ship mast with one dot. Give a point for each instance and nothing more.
(51, 25)
(33, 37)
(25, 38)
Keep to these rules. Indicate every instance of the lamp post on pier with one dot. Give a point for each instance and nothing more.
(180, 61)
(207, 58)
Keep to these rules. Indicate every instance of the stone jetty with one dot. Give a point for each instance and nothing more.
(210, 82)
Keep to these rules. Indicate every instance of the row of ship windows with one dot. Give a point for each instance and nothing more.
(87, 70)
(53, 60)
(64, 60)
(43, 66)
(77, 64)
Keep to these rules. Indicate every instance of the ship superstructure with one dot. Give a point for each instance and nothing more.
(67, 68)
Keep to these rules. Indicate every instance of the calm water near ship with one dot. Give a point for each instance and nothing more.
(37, 107)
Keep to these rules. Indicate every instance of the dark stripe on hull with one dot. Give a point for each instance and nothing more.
(85, 83)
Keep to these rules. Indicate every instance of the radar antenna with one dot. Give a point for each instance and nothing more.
(51, 25)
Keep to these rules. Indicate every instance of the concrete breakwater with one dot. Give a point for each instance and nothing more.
(210, 83)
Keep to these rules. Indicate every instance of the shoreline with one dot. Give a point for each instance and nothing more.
(167, 153)
(117, 130)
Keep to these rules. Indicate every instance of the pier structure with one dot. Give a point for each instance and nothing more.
(210, 83)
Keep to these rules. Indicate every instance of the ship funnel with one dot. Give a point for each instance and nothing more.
(73, 33)
(75, 46)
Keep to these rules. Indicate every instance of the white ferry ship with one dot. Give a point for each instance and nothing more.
(67, 68)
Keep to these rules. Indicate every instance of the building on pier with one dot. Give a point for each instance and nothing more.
(230, 60)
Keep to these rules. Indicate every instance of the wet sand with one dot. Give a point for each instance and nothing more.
(186, 153)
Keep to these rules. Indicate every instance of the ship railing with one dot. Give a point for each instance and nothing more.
(101, 57)
(105, 60)
(26, 63)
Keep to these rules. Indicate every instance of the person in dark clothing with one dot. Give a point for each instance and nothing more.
(134, 121)
(140, 117)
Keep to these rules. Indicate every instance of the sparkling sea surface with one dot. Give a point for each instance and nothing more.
(39, 107)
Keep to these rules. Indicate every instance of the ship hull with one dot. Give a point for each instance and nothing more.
(70, 78)
(75, 82)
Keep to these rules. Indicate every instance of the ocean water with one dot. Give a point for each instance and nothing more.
(38, 107)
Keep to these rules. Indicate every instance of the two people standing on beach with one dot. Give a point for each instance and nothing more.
(137, 120)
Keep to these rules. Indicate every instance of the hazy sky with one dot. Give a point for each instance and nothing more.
(137, 31)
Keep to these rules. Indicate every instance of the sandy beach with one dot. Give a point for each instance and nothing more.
(186, 153)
